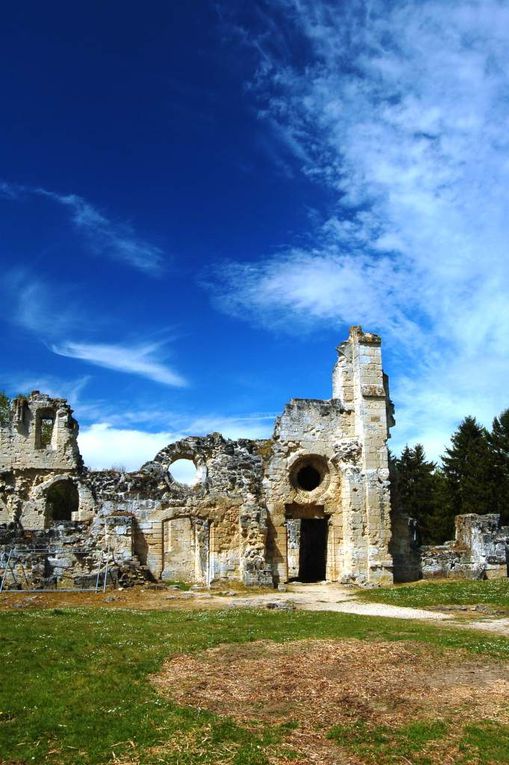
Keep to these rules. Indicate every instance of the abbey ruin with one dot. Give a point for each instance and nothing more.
(311, 503)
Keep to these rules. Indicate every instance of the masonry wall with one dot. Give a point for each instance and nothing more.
(478, 551)
(323, 473)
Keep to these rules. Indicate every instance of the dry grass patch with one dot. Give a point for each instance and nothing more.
(325, 693)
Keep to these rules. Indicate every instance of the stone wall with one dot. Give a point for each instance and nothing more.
(257, 509)
(479, 550)
(70, 554)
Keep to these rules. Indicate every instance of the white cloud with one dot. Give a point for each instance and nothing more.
(104, 445)
(34, 305)
(142, 359)
(402, 111)
(111, 239)
(185, 471)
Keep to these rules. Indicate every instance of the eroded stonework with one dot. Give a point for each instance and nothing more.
(310, 503)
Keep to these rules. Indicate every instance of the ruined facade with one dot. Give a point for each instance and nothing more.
(311, 503)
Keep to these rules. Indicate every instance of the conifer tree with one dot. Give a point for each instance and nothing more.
(441, 520)
(415, 488)
(468, 470)
(498, 441)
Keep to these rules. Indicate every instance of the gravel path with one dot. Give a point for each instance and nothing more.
(343, 599)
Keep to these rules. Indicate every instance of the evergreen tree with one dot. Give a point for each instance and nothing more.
(498, 441)
(468, 470)
(394, 481)
(415, 489)
(441, 520)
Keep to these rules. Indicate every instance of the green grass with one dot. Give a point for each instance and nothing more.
(494, 593)
(74, 683)
(176, 584)
(422, 741)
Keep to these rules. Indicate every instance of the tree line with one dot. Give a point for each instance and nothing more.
(473, 478)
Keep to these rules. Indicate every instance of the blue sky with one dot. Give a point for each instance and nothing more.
(198, 198)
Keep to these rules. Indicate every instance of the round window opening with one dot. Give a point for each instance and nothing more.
(308, 478)
(185, 471)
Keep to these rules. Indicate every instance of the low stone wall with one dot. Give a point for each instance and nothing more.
(70, 555)
(479, 550)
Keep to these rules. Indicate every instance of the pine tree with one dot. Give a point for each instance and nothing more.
(498, 441)
(415, 488)
(441, 520)
(468, 470)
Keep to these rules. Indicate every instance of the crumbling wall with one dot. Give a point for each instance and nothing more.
(360, 384)
(38, 450)
(479, 550)
(70, 555)
(223, 513)
(323, 476)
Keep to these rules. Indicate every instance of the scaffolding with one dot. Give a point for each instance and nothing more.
(18, 560)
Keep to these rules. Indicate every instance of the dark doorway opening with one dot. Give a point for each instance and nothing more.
(62, 500)
(313, 549)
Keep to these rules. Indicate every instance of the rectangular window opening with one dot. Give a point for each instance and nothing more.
(44, 431)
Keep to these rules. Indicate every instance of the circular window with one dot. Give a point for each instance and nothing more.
(309, 472)
(308, 478)
(184, 471)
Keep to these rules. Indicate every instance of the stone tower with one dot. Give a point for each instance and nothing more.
(327, 484)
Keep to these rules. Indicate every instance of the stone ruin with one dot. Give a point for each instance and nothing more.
(310, 504)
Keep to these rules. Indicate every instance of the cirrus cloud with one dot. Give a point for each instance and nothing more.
(400, 110)
(138, 359)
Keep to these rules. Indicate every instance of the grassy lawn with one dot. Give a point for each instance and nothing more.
(494, 593)
(75, 688)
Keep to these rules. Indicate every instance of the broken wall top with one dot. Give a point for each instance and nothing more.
(41, 434)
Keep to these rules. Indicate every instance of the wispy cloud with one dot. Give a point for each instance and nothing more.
(36, 306)
(105, 237)
(138, 359)
(401, 110)
(49, 311)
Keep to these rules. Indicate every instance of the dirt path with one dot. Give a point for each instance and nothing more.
(333, 597)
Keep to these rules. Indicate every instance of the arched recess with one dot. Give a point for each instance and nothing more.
(185, 549)
(62, 500)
